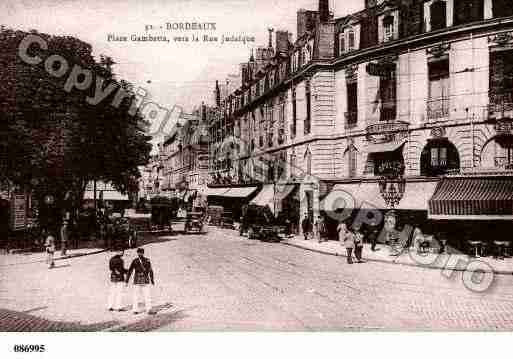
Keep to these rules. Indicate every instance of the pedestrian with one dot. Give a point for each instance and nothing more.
(322, 228)
(373, 235)
(143, 276)
(117, 281)
(306, 225)
(346, 239)
(358, 245)
(64, 237)
(50, 248)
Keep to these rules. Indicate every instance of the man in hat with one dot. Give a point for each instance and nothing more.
(143, 276)
(117, 281)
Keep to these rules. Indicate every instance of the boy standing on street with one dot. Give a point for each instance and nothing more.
(117, 281)
(143, 276)
(50, 248)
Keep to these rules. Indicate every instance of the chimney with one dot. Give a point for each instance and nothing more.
(324, 10)
(306, 20)
(271, 30)
(282, 42)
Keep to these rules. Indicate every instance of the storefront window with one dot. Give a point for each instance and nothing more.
(389, 163)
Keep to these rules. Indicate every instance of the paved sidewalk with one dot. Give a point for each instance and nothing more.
(39, 257)
(458, 262)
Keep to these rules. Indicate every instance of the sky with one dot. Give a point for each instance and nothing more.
(174, 73)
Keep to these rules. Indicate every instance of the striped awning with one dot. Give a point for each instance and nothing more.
(470, 198)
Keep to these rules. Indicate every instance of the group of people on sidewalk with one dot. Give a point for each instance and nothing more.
(316, 230)
(351, 239)
(120, 277)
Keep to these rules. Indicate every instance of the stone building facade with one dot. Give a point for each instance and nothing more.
(391, 105)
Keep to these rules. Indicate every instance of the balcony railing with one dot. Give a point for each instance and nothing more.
(387, 131)
(501, 105)
(351, 119)
(438, 109)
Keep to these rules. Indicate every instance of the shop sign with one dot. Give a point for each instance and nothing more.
(392, 190)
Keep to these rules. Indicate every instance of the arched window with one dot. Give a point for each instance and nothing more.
(438, 158)
(498, 153)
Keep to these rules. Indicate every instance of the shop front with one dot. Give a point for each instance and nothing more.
(475, 211)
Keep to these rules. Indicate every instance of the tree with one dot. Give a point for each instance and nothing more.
(54, 142)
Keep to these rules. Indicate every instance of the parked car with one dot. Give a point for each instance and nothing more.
(195, 220)
(227, 220)
(260, 223)
(215, 215)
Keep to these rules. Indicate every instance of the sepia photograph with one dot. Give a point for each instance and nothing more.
(239, 166)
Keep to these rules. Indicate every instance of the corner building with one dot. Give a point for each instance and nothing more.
(406, 104)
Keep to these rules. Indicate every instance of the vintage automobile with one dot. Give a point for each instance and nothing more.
(215, 215)
(227, 220)
(195, 220)
(260, 223)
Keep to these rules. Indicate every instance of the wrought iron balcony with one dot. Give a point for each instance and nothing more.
(351, 119)
(438, 108)
(501, 105)
(387, 131)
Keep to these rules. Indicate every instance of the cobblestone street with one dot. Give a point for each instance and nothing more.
(223, 282)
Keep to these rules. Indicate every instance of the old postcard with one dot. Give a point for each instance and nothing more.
(306, 165)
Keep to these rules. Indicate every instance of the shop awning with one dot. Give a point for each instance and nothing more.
(416, 195)
(367, 195)
(385, 147)
(265, 197)
(107, 195)
(342, 195)
(217, 191)
(473, 198)
(284, 190)
(241, 192)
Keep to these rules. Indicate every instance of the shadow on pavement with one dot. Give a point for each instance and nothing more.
(13, 321)
(152, 322)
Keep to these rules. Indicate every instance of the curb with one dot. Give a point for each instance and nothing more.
(499, 272)
(58, 258)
